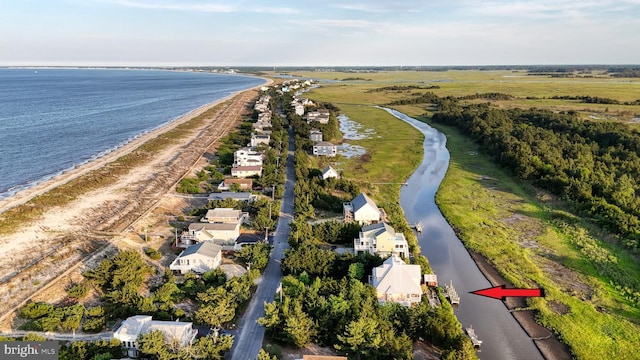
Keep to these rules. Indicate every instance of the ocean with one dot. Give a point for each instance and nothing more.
(52, 120)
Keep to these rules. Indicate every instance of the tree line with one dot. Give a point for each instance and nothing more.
(594, 165)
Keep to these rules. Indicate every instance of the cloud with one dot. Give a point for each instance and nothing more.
(198, 6)
(552, 9)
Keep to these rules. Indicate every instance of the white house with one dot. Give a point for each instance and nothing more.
(198, 258)
(178, 332)
(224, 216)
(321, 116)
(325, 148)
(381, 239)
(246, 171)
(315, 135)
(329, 172)
(257, 139)
(363, 211)
(218, 233)
(397, 281)
(247, 157)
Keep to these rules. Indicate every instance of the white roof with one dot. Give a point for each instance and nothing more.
(133, 326)
(394, 276)
(223, 213)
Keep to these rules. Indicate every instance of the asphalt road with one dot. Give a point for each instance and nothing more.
(248, 340)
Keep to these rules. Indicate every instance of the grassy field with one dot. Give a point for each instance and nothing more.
(517, 84)
(530, 237)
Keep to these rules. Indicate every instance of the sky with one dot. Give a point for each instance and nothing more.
(318, 32)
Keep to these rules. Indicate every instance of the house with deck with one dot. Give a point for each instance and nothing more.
(176, 332)
(381, 239)
(363, 210)
(397, 281)
(198, 258)
(247, 156)
(219, 233)
(246, 171)
(325, 148)
(224, 216)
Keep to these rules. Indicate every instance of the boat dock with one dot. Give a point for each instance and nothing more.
(451, 294)
(418, 226)
(474, 338)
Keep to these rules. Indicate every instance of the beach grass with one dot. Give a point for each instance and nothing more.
(18, 216)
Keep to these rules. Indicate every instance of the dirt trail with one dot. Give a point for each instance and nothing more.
(68, 239)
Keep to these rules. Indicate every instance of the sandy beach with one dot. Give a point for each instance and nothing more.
(70, 238)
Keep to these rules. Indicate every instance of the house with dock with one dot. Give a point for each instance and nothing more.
(397, 281)
(381, 239)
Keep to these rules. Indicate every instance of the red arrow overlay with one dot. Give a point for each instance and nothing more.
(501, 292)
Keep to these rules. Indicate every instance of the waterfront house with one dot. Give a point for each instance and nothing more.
(397, 281)
(381, 239)
(324, 148)
(363, 211)
(315, 135)
(198, 258)
(176, 332)
(246, 171)
(243, 184)
(320, 115)
(329, 172)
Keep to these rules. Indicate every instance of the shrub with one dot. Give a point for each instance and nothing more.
(153, 253)
(35, 310)
(78, 291)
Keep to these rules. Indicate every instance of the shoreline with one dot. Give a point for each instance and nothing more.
(25, 195)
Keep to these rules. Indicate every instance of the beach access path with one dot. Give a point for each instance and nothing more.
(71, 238)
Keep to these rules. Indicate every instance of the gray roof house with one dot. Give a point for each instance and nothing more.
(329, 172)
(363, 211)
(325, 148)
(198, 258)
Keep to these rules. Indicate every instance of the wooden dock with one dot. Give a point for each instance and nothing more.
(451, 294)
(472, 335)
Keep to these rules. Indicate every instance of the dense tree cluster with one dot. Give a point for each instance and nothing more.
(402, 88)
(596, 165)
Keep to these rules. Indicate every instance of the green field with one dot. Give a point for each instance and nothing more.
(504, 219)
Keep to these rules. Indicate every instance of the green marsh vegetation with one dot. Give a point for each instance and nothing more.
(531, 236)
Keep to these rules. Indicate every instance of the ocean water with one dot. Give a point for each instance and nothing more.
(52, 120)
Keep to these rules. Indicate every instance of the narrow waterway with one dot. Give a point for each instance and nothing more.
(502, 336)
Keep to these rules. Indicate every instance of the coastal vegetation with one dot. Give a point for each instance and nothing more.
(535, 236)
(325, 297)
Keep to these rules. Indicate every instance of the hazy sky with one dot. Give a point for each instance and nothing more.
(318, 32)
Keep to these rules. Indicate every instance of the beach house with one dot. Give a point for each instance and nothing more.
(397, 281)
(198, 258)
(176, 332)
(325, 148)
(381, 239)
(363, 211)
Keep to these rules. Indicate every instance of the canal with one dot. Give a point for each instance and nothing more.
(502, 336)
